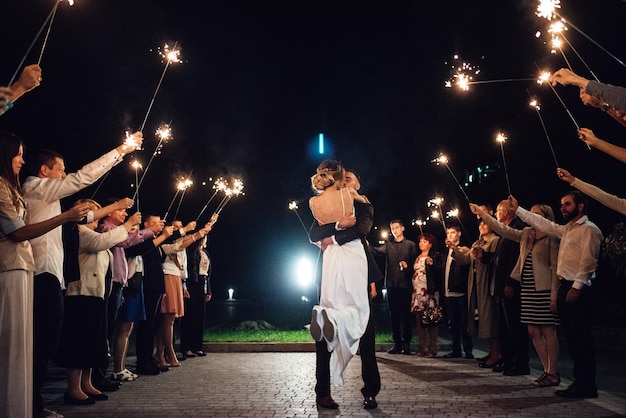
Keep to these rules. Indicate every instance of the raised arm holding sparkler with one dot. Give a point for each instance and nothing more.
(616, 203)
(611, 95)
(29, 79)
(588, 137)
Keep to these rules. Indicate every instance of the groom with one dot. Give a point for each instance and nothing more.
(355, 228)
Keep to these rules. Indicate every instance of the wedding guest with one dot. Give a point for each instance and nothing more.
(536, 270)
(398, 253)
(199, 288)
(16, 280)
(125, 305)
(83, 336)
(426, 286)
(481, 295)
(172, 304)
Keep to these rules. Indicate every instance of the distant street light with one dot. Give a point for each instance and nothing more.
(304, 272)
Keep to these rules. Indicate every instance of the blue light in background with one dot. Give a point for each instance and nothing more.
(321, 143)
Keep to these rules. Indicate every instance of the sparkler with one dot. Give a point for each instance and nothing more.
(164, 133)
(181, 185)
(293, 206)
(171, 55)
(463, 74)
(535, 105)
(129, 142)
(543, 78)
(442, 159)
(557, 29)
(229, 193)
(419, 222)
(219, 185)
(547, 10)
(48, 22)
(436, 212)
(186, 183)
(501, 139)
(136, 165)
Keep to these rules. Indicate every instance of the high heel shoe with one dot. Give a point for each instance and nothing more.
(70, 400)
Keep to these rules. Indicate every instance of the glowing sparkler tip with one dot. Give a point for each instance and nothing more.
(543, 77)
(418, 222)
(454, 213)
(435, 201)
(547, 8)
(293, 205)
(501, 137)
(164, 132)
(136, 164)
(442, 159)
(534, 103)
(171, 55)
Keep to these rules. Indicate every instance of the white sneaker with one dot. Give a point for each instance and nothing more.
(124, 376)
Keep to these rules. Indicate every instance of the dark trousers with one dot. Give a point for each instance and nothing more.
(399, 301)
(192, 324)
(113, 309)
(513, 334)
(369, 366)
(456, 310)
(576, 320)
(47, 320)
(146, 330)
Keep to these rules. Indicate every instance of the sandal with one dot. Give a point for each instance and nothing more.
(547, 380)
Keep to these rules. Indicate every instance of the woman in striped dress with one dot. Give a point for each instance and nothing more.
(536, 270)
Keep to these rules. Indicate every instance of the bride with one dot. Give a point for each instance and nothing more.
(343, 312)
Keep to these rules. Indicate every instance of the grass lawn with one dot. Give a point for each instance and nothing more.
(270, 336)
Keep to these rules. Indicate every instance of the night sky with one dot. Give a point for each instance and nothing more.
(261, 80)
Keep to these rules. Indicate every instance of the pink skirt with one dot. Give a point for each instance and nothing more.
(173, 298)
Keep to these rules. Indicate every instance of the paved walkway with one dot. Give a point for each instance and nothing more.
(280, 384)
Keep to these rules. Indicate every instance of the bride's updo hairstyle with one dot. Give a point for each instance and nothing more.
(328, 173)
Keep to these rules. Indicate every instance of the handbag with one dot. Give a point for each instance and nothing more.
(433, 313)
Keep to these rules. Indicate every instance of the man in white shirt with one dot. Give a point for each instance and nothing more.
(576, 265)
(43, 192)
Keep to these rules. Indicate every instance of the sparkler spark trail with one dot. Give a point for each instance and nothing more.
(171, 56)
(293, 206)
(535, 105)
(501, 138)
(219, 185)
(442, 159)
